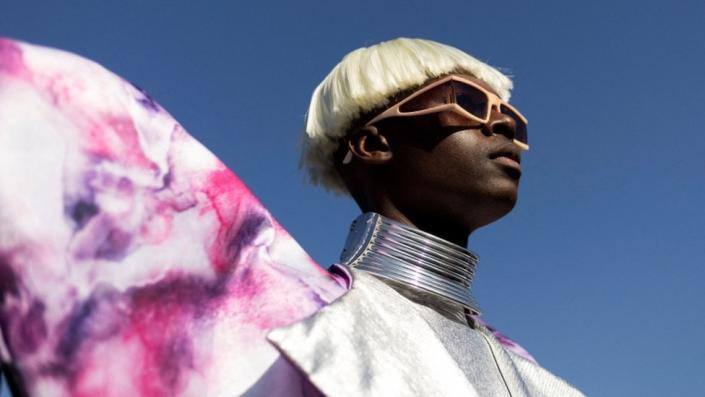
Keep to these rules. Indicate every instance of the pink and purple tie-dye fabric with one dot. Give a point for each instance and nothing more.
(132, 261)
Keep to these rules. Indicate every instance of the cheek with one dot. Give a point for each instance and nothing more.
(456, 162)
(460, 157)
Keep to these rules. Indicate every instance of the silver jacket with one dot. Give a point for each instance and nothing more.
(377, 341)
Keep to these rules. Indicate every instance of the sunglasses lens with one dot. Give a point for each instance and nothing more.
(468, 97)
(521, 133)
(471, 99)
(433, 97)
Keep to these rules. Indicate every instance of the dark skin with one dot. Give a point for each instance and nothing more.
(442, 173)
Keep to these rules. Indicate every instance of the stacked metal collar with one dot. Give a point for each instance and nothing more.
(421, 266)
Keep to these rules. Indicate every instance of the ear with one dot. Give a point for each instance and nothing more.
(369, 146)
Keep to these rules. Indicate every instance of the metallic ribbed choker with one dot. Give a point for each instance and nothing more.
(415, 261)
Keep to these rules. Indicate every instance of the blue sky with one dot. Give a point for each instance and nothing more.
(599, 270)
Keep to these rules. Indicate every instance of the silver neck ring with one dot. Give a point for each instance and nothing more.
(411, 258)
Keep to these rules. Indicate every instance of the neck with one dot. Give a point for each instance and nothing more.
(425, 268)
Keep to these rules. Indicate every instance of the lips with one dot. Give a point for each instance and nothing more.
(508, 156)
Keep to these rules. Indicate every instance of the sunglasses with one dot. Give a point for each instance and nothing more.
(459, 95)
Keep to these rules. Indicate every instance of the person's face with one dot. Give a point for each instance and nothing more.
(447, 169)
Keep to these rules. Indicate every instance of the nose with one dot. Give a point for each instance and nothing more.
(501, 124)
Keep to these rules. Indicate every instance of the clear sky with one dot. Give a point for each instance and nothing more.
(599, 271)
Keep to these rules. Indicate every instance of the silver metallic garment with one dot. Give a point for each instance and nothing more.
(375, 342)
(383, 339)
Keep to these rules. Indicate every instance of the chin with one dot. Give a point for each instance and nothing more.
(507, 200)
(493, 207)
(504, 192)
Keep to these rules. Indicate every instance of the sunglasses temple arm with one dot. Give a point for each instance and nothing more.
(523, 146)
(348, 157)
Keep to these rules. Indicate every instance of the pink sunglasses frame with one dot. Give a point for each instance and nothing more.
(493, 102)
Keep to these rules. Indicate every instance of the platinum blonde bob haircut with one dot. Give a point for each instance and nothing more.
(367, 79)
